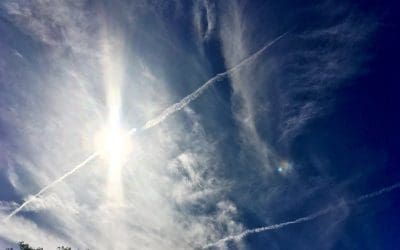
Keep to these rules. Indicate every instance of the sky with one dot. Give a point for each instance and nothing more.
(200, 124)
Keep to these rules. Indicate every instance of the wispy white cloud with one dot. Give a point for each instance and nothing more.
(205, 18)
(29, 231)
(288, 89)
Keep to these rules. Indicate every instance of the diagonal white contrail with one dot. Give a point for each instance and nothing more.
(310, 217)
(194, 95)
(160, 118)
(33, 197)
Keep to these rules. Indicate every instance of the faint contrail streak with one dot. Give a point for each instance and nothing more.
(155, 121)
(310, 217)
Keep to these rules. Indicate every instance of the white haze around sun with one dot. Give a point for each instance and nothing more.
(132, 191)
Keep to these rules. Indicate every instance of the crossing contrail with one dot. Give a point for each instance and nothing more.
(310, 217)
(160, 118)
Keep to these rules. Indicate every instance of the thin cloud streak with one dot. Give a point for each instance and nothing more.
(310, 217)
(157, 120)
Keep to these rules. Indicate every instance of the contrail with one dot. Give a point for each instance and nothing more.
(310, 217)
(33, 197)
(194, 95)
(160, 118)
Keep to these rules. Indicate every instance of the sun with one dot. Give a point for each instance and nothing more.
(113, 144)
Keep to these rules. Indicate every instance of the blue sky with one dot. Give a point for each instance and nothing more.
(219, 124)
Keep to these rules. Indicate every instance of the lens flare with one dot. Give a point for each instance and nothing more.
(113, 141)
(284, 167)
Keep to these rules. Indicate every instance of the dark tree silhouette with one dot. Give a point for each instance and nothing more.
(25, 246)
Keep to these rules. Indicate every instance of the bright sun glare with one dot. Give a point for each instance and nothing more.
(114, 144)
